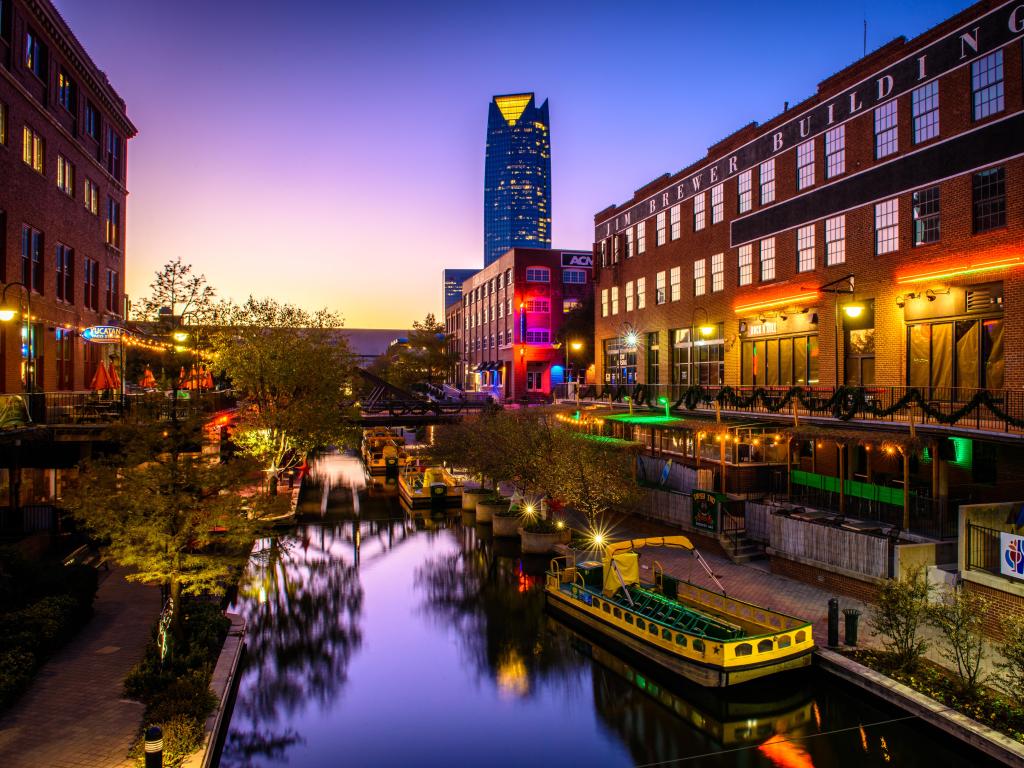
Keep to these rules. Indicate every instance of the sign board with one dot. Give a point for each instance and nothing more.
(103, 334)
(705, 510)
(1011, 555)
(578, 260)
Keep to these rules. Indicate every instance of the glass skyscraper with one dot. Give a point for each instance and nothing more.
(517, 176)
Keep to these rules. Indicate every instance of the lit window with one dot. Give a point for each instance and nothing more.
(835, 240)
(629, 295)
(660, 228)
(886, 138)
(746, 264)
(989, 199)
(987, 85)
(674, 283)
(717, 203)
(536, 305)
(538, 336)
(35, 55)
(604, 302)
(768, 259)
(65, 91)
(659, 288)
(805, 165)
(641, 237)
(641, 292)
(925, 204)
(615, 299)
(746, 195)
(65, 176)
(699, 201)
(674, 217)
(538, 275)
(699, 278)
(925, 106)
(113, 228)
(887, 226)
(805, 261)
(717, 272)
(767, 180)
(835, 151)
(32, 149)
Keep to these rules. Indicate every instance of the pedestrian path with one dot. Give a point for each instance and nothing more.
(75, 715)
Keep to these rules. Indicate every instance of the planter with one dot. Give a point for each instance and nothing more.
(486, 510)
(539, 543)
(470, 497)
(506, 525)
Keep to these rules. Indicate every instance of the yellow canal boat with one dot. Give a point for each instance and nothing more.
(433, 488)
(384, 452)
(707, 637)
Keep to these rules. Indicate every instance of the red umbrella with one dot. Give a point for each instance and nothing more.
(148, 379)
(100, 379)
(181, 377)
(207, 378)
(115, 380)
(193, 379)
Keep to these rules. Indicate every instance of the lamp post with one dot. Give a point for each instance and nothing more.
(8, 313)
(706, 330)
(852, 309)
(576, 346)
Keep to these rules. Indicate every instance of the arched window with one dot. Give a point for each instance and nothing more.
(744, 649)
(785, 641)
(764, 646)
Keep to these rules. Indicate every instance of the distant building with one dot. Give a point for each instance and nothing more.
(367, 344)
(517, 176)
(453, 280)
(505, 328)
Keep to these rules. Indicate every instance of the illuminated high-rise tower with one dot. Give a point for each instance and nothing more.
(517, 176)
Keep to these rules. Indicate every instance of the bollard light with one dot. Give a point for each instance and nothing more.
(154, 747)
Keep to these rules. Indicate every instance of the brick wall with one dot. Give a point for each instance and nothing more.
(825, 579)
(1000, 605)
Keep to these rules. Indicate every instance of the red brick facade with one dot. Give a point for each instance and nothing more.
(910, 285)
(50, 86)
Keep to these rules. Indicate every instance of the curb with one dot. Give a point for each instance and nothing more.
(982, 738)
(223, 681)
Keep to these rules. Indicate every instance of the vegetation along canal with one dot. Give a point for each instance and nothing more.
(377, 639)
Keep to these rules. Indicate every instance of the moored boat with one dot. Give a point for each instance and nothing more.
(384, 452)
(433, 488)
(707, 637)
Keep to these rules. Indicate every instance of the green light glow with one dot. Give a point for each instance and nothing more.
(643, 419)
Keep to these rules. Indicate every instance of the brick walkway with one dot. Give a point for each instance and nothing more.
(75, 715)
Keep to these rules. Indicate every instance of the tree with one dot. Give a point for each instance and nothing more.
(1011, 670)
(424, 358)
(179, 292)
(170, 514)
(290, 368)
(901, 610)
(959, 617)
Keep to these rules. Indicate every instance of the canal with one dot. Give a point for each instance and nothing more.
(379, 640)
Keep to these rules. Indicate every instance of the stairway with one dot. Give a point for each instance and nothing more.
(743, 550)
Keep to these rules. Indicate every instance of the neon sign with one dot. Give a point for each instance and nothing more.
(103, 334)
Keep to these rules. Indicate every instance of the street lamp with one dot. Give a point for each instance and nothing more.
(706, 330)
(852, 309)
(576, 346)
(8, 312)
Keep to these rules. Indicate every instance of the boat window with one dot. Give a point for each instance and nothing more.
(785, 641)
(606, 608)
(744, 649)
(596, 603)
(640, 624)
(653, 629)
(764, 646)
(800, 636)
(698, 645)
(681, 640)
(629, 618)
(666, 635)
(617, 613)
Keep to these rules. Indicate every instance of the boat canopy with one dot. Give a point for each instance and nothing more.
(625, 565)
(631, 545)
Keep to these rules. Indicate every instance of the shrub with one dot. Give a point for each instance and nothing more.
(16, 669)
(959, 616)
(1011, 671)
(538, 525)
(901, 609)
(188, 695)
(183, 735)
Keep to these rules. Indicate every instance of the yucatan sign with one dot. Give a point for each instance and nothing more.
(103, 334)
(1011, 555)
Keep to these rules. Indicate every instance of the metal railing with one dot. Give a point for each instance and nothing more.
(982, 548)
(91, 408)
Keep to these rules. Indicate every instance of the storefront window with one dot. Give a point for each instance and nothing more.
(949, 360)
(780, 361)
(619, 364)
(700, 362)
(653, 355)
(859, 350)
(680, 359)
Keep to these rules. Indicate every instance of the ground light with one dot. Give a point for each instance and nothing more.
(664, 401)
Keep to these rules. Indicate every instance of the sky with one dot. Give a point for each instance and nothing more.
(331, 154)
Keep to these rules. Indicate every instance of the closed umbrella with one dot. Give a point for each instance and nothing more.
(181, 378)
(100, 379)
(115, 379)
(148, 379)
(208, 378)
(193, 379)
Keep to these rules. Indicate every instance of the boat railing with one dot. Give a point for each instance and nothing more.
(658, 572)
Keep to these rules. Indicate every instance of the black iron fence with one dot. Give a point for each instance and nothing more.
(67, 408)
(982, 548)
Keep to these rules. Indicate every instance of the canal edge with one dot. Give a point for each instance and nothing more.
(980, 737)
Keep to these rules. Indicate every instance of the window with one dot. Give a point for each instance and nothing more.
(926, 215)
(538, 275)
(987, 85)
(64, 353)
(35, 55)
(674, 219)
(835, 240)
(536, 305)
(641, 292)
(925, 108)
(113, 231)
(65, 273)
(887, 226)
(65, 91)
(91, 292)
(604, 302)
(32, 149)
(629, 295)
(65, 176)
(805, 165)
(616, 245)
(501, 309)
(745, 191)
(91, 197)
(659, 228)
(786, 361)
(805, 261)
(768, 259)
(886, 138)
(989, 199)
(835, 151)
(114, 154)
(629, 243)
(540, 335)
(699, 278)
(653, 357)
(699, 201)
(92, 121)
(767, 179)
(32, 258)
(674, 284)
(574, 276)
(615, 299)
(659, 288)
(508, 307)
(641, 237)
(508, 276)
(966, 354)
(717, 272)
(717, 203)
(3, 123)
(746, 264)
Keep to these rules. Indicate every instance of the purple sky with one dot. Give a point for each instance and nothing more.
(331, 153)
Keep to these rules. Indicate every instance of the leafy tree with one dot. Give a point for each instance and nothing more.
(899, 614)
(1011, 670)
(959, 617)
(590, 476)
(424, 358)
(171, 515)
(290, 368)
(176, 289)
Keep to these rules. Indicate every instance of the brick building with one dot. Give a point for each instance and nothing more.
(872, 234)
(63, 161)
(505, 330)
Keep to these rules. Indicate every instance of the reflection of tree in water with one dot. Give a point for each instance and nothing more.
(497, 613)
(301, 602)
